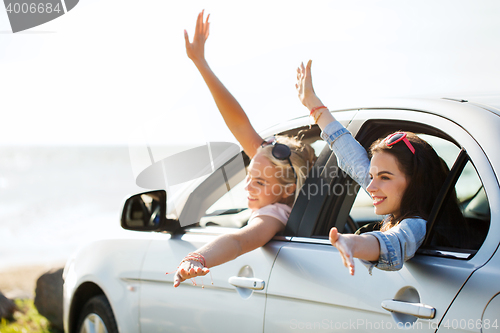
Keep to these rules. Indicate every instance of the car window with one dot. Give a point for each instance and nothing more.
(235, 200)
(466, 232)
(230, 209)
(469, 183)
(466, 187)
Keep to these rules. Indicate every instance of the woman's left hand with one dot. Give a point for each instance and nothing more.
(196, 49)
(189, 269)
(345, 245)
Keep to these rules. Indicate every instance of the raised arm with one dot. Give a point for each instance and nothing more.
(364, 247)
(308, 97)
(228, 247)
(232, 112)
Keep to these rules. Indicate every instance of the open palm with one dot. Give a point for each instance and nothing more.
(345, 246)
(196, 49)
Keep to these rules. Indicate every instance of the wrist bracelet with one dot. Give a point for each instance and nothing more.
(193, 256)
(317, 108)
(317, 116)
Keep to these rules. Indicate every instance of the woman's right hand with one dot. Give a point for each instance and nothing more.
(305, 87)
(196, 49)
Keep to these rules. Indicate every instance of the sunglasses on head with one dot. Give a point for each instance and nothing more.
(394, 138)
(280, 151)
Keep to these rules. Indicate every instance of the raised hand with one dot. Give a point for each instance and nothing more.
(196, 49)
(345, 245)
(305, 87)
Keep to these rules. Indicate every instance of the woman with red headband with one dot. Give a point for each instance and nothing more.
(402, 174)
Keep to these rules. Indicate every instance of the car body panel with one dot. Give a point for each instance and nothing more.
(114, 266)
(306, 287)
(310, 285)
(477, 307)
(193, 308)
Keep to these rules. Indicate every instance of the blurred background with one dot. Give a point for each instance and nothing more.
(77, 92)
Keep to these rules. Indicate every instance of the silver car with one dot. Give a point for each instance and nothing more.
(297, 281)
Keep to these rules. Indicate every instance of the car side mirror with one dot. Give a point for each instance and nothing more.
(147, 212)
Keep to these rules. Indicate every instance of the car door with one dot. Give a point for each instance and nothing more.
(310, 289)
(477, 307)
(235, 302)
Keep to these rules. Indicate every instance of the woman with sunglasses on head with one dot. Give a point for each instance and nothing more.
(275, 175)
(401, 172)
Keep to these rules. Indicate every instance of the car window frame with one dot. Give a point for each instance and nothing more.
(340, 207)
(206, 186)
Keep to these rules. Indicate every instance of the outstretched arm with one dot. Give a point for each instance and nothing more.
(230, 246)
(355, 246)
(232, 112)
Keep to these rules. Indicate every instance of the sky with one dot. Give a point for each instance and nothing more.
(115, 72)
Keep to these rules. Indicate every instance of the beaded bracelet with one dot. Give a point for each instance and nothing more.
(317, 108)
(317, 116)
(193, 256)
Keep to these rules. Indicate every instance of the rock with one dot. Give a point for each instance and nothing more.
(7, 307)
(49, 297)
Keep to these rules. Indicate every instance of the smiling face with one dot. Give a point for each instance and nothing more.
(388, 184)
(261, 184)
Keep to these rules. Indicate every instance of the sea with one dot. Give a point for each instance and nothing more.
(54, 199)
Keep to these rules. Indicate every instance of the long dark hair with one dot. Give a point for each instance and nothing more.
(426, 173)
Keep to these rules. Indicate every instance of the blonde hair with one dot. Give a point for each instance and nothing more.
(302, 159)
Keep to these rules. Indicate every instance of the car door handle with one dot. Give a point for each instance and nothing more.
(415, 309)
(248, 283)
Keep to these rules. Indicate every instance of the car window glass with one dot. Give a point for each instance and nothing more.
(230, 210)
(362, 211)
(318, 146)
(468, 230)
(447, 150)
(468, 183)
(234, 199)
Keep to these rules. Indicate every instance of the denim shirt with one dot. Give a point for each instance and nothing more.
(400, 242)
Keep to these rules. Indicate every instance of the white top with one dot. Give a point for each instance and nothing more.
(277, 210)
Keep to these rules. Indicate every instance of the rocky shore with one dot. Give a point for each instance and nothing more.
(43, 283)
(20, 282)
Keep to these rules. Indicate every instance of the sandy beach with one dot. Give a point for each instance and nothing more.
(20, 282)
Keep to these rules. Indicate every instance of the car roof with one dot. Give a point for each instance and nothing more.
(489, 101)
